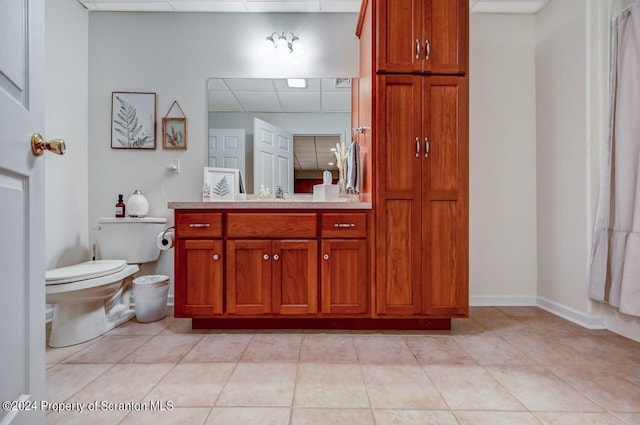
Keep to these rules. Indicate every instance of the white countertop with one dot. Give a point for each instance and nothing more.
(293, 202)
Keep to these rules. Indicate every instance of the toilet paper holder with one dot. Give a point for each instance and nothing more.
(165, 241)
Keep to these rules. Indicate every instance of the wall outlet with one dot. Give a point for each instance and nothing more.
(174, 165)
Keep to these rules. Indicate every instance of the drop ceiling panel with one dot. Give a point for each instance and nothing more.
(300, 102)
(313, 84)
(223, 101)
(217, 84)
(249, 84)
(336, 102)
(259, 101)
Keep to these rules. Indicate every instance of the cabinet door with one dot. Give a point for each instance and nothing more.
(198, 286)
(398, 199)
(399, 39)
(429, 36)
(248, 277)
(344, 276)
(445, 197)
(446, 36)
(295, 277)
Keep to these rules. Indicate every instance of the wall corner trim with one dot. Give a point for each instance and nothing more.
(586, 320)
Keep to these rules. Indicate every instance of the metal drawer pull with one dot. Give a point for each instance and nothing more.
(417, 49)
(427, 147)
(216, 257)
(428, 47)
(276, 257)
(265, 257)
(325, 256)
(417, 147)
(344, 225)
(199, 225)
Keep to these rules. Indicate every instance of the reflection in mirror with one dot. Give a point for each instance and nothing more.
(276, 134)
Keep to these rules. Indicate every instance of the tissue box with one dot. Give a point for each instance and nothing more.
(325, 192)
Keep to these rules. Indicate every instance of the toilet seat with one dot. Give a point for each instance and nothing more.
(84, 271)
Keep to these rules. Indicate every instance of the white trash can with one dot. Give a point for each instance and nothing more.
(150, 294)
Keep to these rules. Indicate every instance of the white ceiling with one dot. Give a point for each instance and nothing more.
(348, 6)
(314, 152)
(274, 95)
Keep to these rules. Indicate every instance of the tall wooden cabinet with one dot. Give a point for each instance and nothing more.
(419, 115)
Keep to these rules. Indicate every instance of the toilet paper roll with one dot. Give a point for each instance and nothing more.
(165, 240)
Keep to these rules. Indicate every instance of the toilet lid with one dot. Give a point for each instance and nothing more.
(83, 271)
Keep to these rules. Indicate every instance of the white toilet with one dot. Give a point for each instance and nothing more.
(92, 298)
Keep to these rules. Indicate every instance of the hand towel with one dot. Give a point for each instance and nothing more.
(352, 168)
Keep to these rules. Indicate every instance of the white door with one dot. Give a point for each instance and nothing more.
(227, 148)
(22, 285)
(272, 157)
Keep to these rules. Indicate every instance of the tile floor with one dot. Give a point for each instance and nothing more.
(503, 366)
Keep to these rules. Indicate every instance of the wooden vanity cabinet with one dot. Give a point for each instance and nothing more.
(265, 276)
(199, 265)
(422, 36)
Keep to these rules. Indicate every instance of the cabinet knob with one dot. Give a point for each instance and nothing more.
(325, 256)
(276, 257)
(216, 257)
(265, 257)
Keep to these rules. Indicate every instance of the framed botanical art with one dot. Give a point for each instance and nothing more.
(174, 129)
(133, 120)
(220, 184)
(174, 133)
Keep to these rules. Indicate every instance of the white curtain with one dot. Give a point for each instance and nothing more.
(615, 266)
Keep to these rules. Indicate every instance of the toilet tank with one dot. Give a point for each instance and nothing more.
(129, 239)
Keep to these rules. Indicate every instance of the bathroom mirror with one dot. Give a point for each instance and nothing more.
(297, 123)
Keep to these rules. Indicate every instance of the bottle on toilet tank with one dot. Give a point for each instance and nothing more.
(120, 207)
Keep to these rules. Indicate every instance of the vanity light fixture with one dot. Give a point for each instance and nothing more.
(297, 83)
(280, 40)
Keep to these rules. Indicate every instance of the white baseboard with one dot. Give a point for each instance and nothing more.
(586, 320)
(502, 301)
(49, 309)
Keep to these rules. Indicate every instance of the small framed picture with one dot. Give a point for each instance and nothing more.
(220, 184)
(174, 133)
(133, 120)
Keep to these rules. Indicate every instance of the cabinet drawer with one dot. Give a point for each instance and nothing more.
(341, 225)
(271, 225)
(199, 225)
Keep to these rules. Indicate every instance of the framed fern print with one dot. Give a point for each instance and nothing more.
(174, 133)
(220, 184)
(133, 120)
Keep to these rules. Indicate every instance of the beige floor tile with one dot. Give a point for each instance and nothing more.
(123, 383)
(383, 350)
(438, 350)
(273, 348)
(163, 349)
(133, 327)
(551, 327)
(468, 326)
(611, 349)
(524, 312)
(64, 380)
(540, 390)
(332, 417)
(414, 417)
(260, 384)
(496, 418)
(477, 312)
(85, 418)
(330, 385)
(192, 384)
(109, 349)
(544, 350)
(328, 348)
(183, 327)
(249, 416)
(629, 418)
(606, 387)
(56, 355)
(178, 416)
(492, 350)
(218, 348)
(556, 418)
(471, 388)
(400, 387)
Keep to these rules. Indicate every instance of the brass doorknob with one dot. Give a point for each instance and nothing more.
(39, 145)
